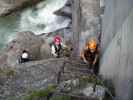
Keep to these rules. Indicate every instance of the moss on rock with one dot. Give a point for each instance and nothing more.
(7, 72)
(37, 94)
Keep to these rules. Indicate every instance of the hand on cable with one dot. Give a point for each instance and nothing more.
(85, 61)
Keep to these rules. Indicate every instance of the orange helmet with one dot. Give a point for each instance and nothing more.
(92, 44)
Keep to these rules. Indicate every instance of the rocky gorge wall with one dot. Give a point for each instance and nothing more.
(9, 6)
(85, 21)
(38, 74)
(117, 46)
(89, 20)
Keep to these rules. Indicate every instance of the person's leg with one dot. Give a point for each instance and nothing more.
(22, 60)
(96, 68)
(25, 60)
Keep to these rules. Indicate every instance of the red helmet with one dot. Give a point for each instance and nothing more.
(57, 39)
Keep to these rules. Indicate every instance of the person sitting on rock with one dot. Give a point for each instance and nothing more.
(24, 57)
(57, 46)
(90, 55)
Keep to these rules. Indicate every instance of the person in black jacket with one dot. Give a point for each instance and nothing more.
(90, 55)
(24, 57)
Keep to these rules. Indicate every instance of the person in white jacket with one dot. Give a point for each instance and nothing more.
(24, 57)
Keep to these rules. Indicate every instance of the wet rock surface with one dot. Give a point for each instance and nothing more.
(116, 46)
(36, 46)
(29, 76)
(35, 75)
(89, 20)
(9, 6)
(66, 10)
(19, 81)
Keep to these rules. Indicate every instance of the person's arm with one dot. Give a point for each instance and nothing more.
(63, 45)
(83, 57)
(97, 56)
(95, 60)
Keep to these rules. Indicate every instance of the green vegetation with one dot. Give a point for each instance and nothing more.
(43, 94)
(90, 79)
(110, 94)
(7, 72)
(37, 94)
(60, 97)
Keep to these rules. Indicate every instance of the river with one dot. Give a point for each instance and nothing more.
(38, 19)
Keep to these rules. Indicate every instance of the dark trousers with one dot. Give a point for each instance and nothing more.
(23, 60)
(96, 68)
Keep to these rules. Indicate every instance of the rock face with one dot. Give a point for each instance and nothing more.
(28, 76)
(85, 21)
(66, 10)
(89, 20)
(9, 6)
(117, 46)
(36, 46)
(24, 78)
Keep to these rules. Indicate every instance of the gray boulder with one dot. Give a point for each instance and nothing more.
(65, 11)
(18, 81)
(9, 6)
(36, 46)
(66, 73)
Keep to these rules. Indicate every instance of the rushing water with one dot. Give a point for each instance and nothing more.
(38, 19)
(8, 28)
(41, 19)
